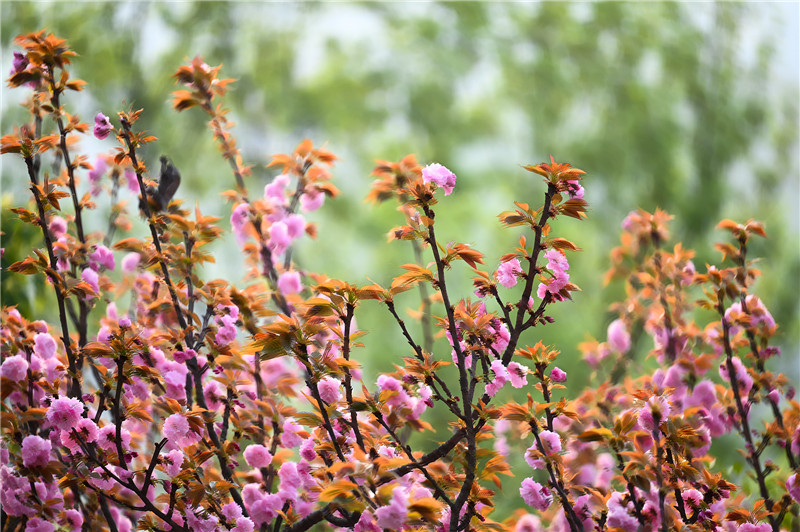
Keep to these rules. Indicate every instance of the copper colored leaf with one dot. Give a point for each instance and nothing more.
(337, 489)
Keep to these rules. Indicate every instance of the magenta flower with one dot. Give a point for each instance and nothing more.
(14, 368)
(58, 226)
(307, 451)
(618, 338)
(558, 375)
(535, 495)
(295, 225)
(227, 330)
(275, 191)
(173, 461)
(239, 219)
(754, 527)
(290, 283)
(39, 525)
(100, 167)
(130, 262)
(35, 451)
(64, 413)
(91, 278)
(19, 63)
(394, 515)
(289, 437)
(329, 390)
(436, 173)
(279, 238)
(74, 519)
(508, 272)
(102, 126)
(654, 412)
(743, 379)
(257, 456)
(107, 438)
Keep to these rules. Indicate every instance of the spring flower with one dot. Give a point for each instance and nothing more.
(754, 527)
(290, 283)
(35, 451)
(551, 442)
(311, 200)
(102, 256)
(394, 515)
(653, 413)
(307, 451)
(64, 413)
(91, 278)
(239, 219)
(102, 126)
(501, 376)
(107, 438)
(743, 379)
(38, 525)
(289, 437)
(257, 456)
(275, 190)
(19, 64)
(44, 345)
(436, 173)
(279, 238)
(130, 262)
(507, 273)
(618, 338)
(558, 375)
(58, 226)
(14, 368)
(173, 461)
(329, 390)
(535, 495)
(518, 374)
(74, 519)
(178, 431)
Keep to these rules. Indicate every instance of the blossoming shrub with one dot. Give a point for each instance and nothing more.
(207, 406)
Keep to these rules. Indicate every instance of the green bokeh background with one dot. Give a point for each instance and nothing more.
(689, 107)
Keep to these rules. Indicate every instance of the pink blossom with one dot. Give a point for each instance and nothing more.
(692, 498)
(19, 63)
(436, 173)
(793, 487)
(257, 456)
(133, 181)
(754, 527)
(227, 332)
(289, 437)
(39, 525)
(501, 376)
(231, 511)
(44, 345)
(65, 412)
(654, 412)
(183, 356)
(74, 519)
(556, 260)
(178, 431)
(279, 238)
(243, 524)
(102, 256)
(275, 190)
(743, 379)
(557, 375)
(239, 219)
(295, 225)
(394, 515)
(290, 480)
(91, 278)
(58, 226)
(535, 495)
(529, 523)
(87, 432)
(575, 190)
(290, 283)
(307, 451)
(311, 200)
(618, 514)
(124, 322)
(518, 374)
(551, 442)
(14, 368)
(100, 167)
(329, 390)
(173, 461)
(130, 262)
(618, 338)
(102, 126)
(507, 273)
(35, 451)
(107, 438)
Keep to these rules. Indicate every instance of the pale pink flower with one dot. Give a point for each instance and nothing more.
(394, 515)
(14, 368)
(107, 438)
(239, 219)
(279, 238)
(518, 374)
(295, 225)
(501, 376)
(65, 412)
(257, 456)
(507, 273)
(130, 262)
(275, 190)
(44, 345)
(436, 173)
(743, 379)
(618, 337)
(551, 442)
(329, 390)
(754, 527)
(535, 495)
(289, 437)
(290, 283)
(311, 200)
(35, 451)
(178, 431)
(231, 511)
(173, 461)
